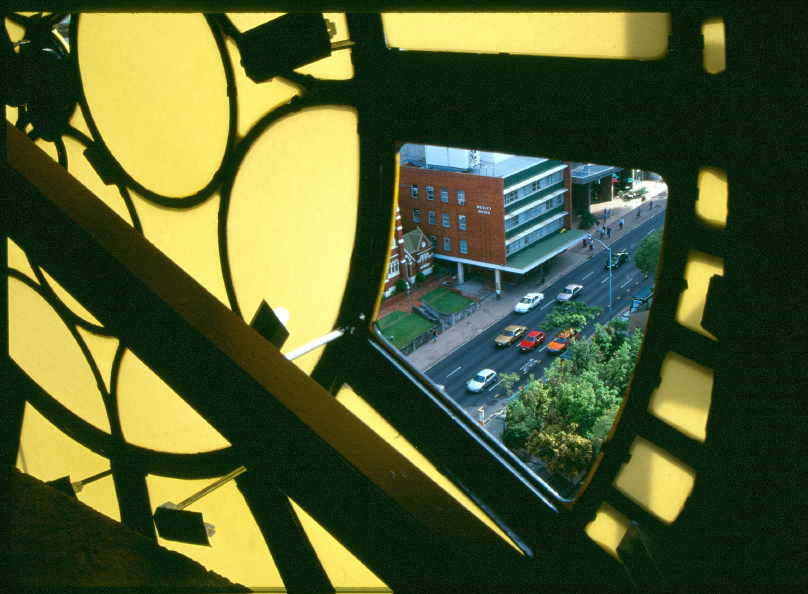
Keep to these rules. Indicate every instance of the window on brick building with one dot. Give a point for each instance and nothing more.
(447, 244)
(416, 215)
(445, 217)
(431, 217)
(434, 241)
(461, 222)
(414, 190)
(464, 247)
(430, 193)
(461, 197)
(444, 195)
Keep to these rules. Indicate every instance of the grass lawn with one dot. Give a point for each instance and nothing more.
(445, 301)
(403, 327)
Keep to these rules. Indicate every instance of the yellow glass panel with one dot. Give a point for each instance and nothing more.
(156, 90)
(18, 260)
(636, 35)
(103, 350)
(43, 347)
(608, 528)
(715, 52)
(48, 454)
(713, 195)
(683, 397)
(373, 419)
(655, 480)
(68, 300)
(238, 550)
(15, 31)
(189, 236)
(700, 268)
(153, 416)
(80, 168)
(342, 568)
(273, 242)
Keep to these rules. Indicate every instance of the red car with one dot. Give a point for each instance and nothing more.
(531, 341)
(561, 342)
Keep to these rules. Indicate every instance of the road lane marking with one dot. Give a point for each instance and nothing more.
(627, 282)
(495, 385)
(456, 370)
(548, 305)
(588, 275)
(604, 280)
(651, 231)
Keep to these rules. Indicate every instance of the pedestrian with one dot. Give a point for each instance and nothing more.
(621, 222)
(610, 213)
(608, 231)
(602, 231)
(498, 294)
(591, 246)
(589, 237)
(434, 335)
(604, 214)
(650, 204)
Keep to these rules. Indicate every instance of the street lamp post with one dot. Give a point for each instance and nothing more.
(610, 275)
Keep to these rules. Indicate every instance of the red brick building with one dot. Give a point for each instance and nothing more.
(486, 212)
(410, 253)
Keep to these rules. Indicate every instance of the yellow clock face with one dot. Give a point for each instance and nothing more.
(283, 193)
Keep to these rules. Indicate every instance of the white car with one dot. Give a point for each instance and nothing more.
(569, 292)
(482, 380)
(528, 302)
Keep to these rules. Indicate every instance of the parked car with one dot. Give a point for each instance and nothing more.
(482, 380)
(569, 292)
(510, 335)
(532, 340)
(617, 260)
(560, 343)
(528, 302)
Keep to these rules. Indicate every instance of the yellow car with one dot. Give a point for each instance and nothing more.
(510, 335)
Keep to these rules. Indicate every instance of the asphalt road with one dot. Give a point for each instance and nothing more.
(459, 367)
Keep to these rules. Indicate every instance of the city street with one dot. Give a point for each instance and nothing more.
(453, 371)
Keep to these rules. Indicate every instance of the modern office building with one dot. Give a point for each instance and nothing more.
(487, 213)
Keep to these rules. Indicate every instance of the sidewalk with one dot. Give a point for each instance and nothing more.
(492, 310)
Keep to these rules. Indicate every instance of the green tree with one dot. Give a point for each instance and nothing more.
(609, 338)
(525, 413)
(600, 431)
(572, 314)
(646, 257)
(587, 220)
(561, 449)
(618, 369)
(401, 285)
(508, 380)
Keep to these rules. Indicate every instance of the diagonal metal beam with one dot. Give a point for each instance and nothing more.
(282, 422)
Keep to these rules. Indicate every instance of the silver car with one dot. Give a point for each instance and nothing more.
(482, 380)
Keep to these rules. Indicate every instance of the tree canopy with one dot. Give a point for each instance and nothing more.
(572, 314)
(565, 419)
(646, 258)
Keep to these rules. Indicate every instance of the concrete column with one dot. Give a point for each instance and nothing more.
(607, 188)
(460, 274)
(497, 279)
